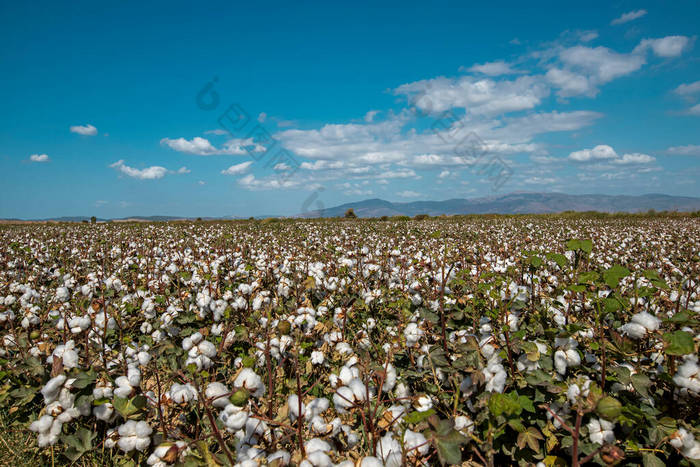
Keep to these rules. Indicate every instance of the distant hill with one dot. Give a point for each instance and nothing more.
(512, 203)
(515, 203)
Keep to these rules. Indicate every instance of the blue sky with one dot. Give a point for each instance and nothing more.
(403, 101)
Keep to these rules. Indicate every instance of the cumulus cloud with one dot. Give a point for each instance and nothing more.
(369, 116)
(202, 147)
(477, 96)
(408, 194)
(688, 89)
(39, 158)
(600, 152)
(665, 47)
(584, 68)
(237, 169)
(694, 110)
(149, 173)
(85, 130)
(183, 170)
(687, 150)
(605, 153)
(629, 16)
(496, 68)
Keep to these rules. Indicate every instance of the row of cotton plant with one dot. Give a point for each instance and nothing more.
(494, 341)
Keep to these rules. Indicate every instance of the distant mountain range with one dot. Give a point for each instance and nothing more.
(512, 203)
(515, 203)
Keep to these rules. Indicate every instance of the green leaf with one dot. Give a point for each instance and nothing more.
(650, 460)
(129, 407)
(609, 408)
(613, 275)
(641, 383)
(84, 379)
(679, 343)
(559, 259)
(526, 404)
(503, 404)
(417, 417)
(448, 453)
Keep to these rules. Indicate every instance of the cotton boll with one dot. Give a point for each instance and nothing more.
(293, 404)
(415, 444)
(248, 379)
(182, 393)
(371, 462)
(650, 322)
(215, 391)
(601, 431)
(134, 435)
(52, 388)
(234, 418)
(343, 399)
(634, 330)
(283, 457)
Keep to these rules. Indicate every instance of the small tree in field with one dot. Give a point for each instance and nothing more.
(93, 220)
(350, 214)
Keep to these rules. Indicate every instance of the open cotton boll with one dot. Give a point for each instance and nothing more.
(316, 459)
(688, 374)
(633, 330)
(415, 444)
(601, 431)
(343, 399)
(649, 321)
(293, 407)
(389, 450)
(371, 461)
(234, 418)
(215, 392)
(566, 358)
(134, 435)
(248, 379)
(283, 457)
(52, 388)
(182, 393)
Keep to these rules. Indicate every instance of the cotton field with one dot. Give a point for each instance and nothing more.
(470, 341)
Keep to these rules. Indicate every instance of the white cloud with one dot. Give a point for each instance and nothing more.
(694, 110)
(688, 150)
(217, 131)
(634, 158)
(262, 116)
(629, 16)
(496, 68)
(600, 152)
(202, 147)
(149, 173)
(85, 130)
(369, 116)
(444, 174)
(477, 96)
(587, 36)
(183, 170)
(666, 47)
(687, 89)
(408, 194)
(590, 67)
(540, 181)
(605, 153)
(39, 158)
(238, 169)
